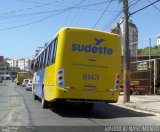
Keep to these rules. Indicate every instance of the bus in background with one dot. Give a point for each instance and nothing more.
(21, 76)
(78, 65)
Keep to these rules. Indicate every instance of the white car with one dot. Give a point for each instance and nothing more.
(29, 85)
(25, 82)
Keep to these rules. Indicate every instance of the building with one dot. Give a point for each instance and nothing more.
(158, 40)
(12, 62)
(119, 28)
(115, 28)
(27, 64)
(22, 64)
(4, 70)
(1, 59)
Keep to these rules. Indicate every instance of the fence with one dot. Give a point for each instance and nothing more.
(146, 73)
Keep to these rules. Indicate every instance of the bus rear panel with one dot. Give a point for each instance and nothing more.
(21, 76)
(87, 67)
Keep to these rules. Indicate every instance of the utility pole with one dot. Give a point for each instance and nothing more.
(150, 67)
(126, 64)
(149, 48)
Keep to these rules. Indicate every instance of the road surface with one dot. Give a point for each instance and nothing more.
(17, 108)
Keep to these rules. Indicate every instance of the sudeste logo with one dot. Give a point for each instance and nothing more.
(93, 48)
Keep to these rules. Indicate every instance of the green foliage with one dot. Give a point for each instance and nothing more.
(154, 51)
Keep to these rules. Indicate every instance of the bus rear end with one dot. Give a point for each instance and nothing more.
(89, 68)
(21, 76)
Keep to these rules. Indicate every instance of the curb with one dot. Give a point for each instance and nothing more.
(137, 107)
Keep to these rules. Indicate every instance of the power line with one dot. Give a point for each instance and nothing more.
(115, 18)
(76, 14)
(102, 14)
(46, 4)
(116, 10)
(118, 26)
(46, 12)
(144, 7)
(154, 5)
(51, 11)
(69, 14)
(30, 1)
(119, 15)
(27, 24)
(131, 13)
(42, 13)
(133, 3)
(29, 8)
(81, 15)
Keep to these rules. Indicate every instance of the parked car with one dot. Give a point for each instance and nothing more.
(29, 85)
(25, 82)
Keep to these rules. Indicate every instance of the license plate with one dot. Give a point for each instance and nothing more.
(90, 87)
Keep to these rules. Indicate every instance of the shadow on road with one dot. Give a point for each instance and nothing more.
(100, 111)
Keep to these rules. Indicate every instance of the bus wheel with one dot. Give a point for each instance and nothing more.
(44, 103)
(86, 106)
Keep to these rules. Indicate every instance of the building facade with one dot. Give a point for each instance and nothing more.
(4, 70)
(22, 64)
(119, 28)
(1, 59)
(158, 40)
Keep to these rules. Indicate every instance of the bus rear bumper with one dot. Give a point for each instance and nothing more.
(85, 96)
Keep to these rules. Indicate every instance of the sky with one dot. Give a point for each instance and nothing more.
(26, 25)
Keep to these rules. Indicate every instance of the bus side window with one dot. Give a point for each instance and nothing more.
(41, 61)
(51, 59)
(54, 48)
(38, 63)
(44, 58)
(49, 54)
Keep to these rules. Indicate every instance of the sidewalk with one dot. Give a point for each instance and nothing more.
(149, 103)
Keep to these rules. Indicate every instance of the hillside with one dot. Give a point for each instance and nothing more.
(154, 51)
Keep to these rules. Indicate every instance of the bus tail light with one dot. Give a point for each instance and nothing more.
(117, 81)
(60, 77)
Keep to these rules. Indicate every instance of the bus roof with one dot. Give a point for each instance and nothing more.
(87, 29)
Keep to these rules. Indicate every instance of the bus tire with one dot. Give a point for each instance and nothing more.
(45, 104)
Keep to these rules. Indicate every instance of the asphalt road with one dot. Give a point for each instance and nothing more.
(17, 108)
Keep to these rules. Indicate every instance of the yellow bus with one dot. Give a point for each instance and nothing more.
(21, 76)
(78, 65)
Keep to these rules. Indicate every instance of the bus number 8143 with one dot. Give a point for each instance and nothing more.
(90, 76)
